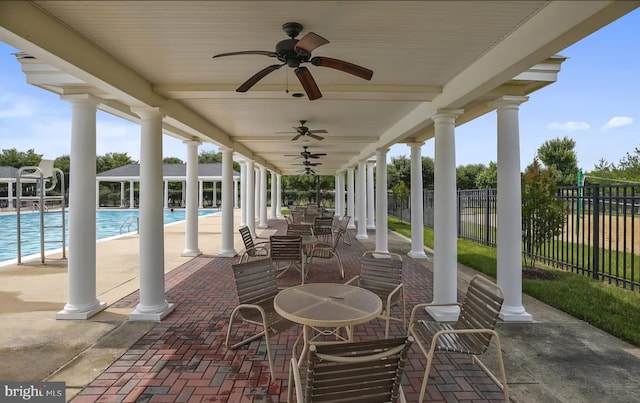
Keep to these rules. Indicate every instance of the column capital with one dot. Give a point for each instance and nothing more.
(446, 115)
(382, 151)
(225, 150)
(192, 142)
(81, 99)
(148, 112)
(508, 101)
(415, 144)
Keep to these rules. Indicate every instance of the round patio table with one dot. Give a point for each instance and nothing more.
(326, 305)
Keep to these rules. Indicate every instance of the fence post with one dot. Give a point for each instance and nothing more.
(596, 230)
(459, 210)
(487, 216)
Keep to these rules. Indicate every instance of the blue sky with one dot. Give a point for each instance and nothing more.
(596, 102)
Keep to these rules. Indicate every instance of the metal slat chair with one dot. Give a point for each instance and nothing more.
(382, 275)
(256, 288)
(286, 249)
(470, 335)
(364, 371)
(251, 248)
(328, 250)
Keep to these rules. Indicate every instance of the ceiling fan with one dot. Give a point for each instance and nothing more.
(293, 52)
(308, 163)
(307, 154)
(303, 130)
(307, 171)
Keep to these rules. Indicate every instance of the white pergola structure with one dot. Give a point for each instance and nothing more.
(437, 65)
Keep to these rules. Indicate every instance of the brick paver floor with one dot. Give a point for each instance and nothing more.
(184, 358)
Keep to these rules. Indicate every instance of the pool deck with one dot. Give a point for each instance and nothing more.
(557, 358)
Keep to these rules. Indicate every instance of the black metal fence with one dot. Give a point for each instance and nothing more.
(600, 237)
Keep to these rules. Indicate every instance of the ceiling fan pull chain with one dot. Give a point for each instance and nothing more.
(286, 78)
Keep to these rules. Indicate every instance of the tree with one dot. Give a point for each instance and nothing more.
(18, 159)
(399, 171)
(559, 154)
(112, 160)
(489, 177)
(428, 170)
(63, 163)
(467, 175)
(172, 160)
(399, 194)
(542, 213)
(209, 157)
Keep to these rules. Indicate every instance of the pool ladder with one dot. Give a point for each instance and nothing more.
(128, 222)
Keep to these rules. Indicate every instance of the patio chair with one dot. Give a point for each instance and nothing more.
(343, 223)
(286, 249)
(382, 275)
(363, 371)
(297, 216)
(324, 250)
(256, 288)
(251, 248)
(471, 334)
(323, 229)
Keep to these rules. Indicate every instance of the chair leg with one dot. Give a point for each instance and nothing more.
(269, 355)
(340, 266)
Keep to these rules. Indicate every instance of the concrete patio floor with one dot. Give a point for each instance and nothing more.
(556, 358)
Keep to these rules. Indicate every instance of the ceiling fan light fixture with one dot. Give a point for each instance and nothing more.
(297, 95)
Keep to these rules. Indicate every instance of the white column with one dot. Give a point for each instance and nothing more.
(509, 207)
(183, 199)
(445, 261)
(200, 194)
(235, 192)
(371, 201)
(82, 302)
(227, 249)
(132, 194)
(191, 213)
(121, 194)
(214, 197)
(10, 194)
(279, 195)
(274, 196)
(166, 193)
(336, 196)
(382, 226)
(350, 198)
(97, 193)
(250, 191)
(152, 305)
(263, 198)
(243, 193)
(361, 200)
(256, 194)
(417, 213)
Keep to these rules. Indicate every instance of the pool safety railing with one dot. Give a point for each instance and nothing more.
(45, 177)
(128, 222)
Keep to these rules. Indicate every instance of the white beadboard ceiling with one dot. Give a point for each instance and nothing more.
(426, 56)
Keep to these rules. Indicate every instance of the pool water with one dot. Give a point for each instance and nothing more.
(108, 224)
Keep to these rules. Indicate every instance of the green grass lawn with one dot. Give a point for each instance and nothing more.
(614, 310)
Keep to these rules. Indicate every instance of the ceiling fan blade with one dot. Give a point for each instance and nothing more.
(317, 155)
(308, 83)
(247, 52)
(341, 65)
(296, 137)
(310, 41)
(318, 131)
(315, 136)
(257, 77)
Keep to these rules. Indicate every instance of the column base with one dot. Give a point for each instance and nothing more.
(351, 226)
(67, 314)
(444, 313)
(371, 226)
(191, 253)
(137, 315)
(262, 226)
(418, 255)
(228, 253)
(362, 236)
(515, 314)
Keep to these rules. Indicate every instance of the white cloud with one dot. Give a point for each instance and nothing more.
(617, 121)
(568, 126)
(12, 106)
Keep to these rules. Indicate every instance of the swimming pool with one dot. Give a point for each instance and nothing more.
(108, 223)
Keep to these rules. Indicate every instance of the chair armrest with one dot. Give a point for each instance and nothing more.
(353, 279)
(295, 382)
(256, 248)
(393, 292)
(424, 305)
